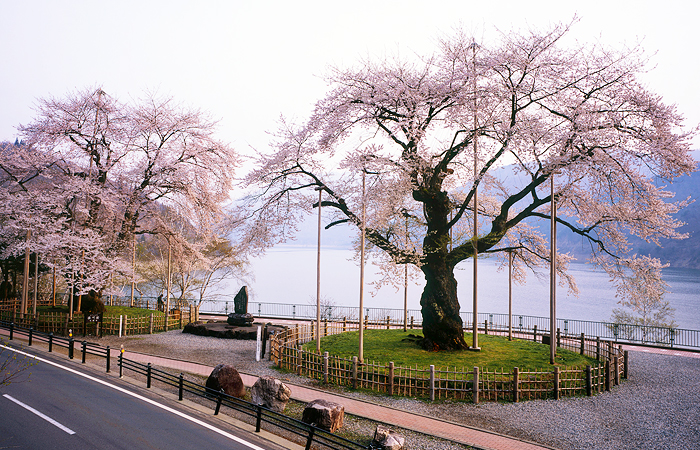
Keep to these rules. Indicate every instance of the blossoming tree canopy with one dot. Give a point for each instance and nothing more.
(540, 113)
(109, 169)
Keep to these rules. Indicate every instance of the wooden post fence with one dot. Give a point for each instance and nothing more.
(390, 384)
(354, 372)
(589, 381)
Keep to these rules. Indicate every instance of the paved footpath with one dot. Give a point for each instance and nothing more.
(480, 439)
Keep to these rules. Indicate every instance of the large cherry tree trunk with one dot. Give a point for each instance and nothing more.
(442, 325)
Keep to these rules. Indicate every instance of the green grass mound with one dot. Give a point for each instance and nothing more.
(497, 352)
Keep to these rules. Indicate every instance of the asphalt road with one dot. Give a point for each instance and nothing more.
(68, 407)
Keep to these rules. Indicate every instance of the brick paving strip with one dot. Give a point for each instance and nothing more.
(474, 437)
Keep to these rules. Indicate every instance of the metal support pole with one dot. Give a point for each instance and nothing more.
(310, 438)
(219, 399)
(553, 277)
(318, 276)
(258, 418)
(475, 322)
(510, 295)
(360, 354)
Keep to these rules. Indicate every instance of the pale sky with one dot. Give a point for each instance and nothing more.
(247, 62)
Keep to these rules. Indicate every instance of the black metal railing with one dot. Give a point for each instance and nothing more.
(618, 332)
(259, 414)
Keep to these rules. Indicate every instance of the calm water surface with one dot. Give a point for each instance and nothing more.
(287, 274)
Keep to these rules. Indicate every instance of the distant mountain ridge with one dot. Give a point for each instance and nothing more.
(683, 253)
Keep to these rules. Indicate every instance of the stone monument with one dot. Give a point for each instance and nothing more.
(240, 316)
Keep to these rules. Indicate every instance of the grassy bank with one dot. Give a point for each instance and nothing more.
(401, 348)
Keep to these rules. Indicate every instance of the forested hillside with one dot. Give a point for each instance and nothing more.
(678, 253)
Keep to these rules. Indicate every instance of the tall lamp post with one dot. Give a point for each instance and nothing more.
(25, 281)
(475, 331)
(510, 295)
(362, 270)
(553, 278)
(405, 281)
(168, 284)
(133, 276)
(318, 276)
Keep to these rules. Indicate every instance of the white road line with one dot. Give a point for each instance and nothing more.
(145, 399)
(43, 416)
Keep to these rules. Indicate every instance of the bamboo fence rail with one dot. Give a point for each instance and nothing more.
(475, 384)
(61, 323)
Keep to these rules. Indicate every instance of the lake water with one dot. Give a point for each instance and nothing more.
(287, 274)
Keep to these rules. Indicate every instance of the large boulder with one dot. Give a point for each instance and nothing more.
(386, 439)
(270, 393)
(226, 378)
(324, 414)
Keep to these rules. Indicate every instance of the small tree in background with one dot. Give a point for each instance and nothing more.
(641, 293)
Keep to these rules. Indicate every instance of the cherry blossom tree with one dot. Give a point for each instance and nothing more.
(200, 262)
(94, 173)
(504, 120)
(641, 292)
(152, 151)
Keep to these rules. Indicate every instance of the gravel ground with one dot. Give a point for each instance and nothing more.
(658, 407)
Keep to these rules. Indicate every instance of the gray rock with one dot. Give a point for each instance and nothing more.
(386, 439)
(270, 393)
(324, 414)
